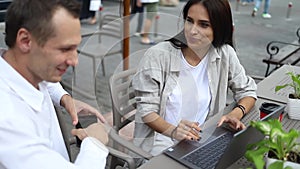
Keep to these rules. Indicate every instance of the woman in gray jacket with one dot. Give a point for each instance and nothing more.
(184, 82)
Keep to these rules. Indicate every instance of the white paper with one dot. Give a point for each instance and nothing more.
(95, 5)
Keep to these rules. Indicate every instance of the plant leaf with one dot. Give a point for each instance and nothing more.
(257, 156)
(277, 88)
(295, 84)
(265, 127)
(277, 141)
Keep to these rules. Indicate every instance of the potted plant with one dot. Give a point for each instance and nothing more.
(293, 103)
(281, 146)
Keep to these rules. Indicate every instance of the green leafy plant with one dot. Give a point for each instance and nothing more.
(295, 84)
(280, 144)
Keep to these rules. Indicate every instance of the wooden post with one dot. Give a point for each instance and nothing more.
(126, 4)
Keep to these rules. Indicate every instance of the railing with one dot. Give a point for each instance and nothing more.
(287, 51)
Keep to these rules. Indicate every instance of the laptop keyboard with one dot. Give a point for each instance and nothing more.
(208, 156)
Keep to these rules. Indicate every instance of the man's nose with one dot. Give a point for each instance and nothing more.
(73, 59)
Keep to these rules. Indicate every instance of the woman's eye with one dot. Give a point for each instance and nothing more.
(204, 25)
(189, 20)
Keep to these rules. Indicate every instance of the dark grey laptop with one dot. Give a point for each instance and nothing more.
(222, 149)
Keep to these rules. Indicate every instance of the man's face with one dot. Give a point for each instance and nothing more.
(50, 62)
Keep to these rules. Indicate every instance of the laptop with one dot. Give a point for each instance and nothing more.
(221, 150)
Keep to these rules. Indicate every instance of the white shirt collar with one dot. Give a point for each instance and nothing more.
(32, 96)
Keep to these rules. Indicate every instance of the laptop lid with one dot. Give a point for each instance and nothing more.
(238, 146)
(235, 149)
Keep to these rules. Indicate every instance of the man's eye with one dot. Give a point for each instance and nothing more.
(66, 49)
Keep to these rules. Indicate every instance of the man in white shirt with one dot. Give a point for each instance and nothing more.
(42, 37)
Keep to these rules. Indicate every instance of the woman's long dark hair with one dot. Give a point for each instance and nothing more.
(220, 17)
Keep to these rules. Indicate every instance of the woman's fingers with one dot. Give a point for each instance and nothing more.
(189, 130)
(233, 122)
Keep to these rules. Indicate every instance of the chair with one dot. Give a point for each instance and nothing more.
(64, 129)
(110, 31)
(123, 107)
(70, 141)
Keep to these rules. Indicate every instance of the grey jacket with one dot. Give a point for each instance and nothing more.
(157, 75)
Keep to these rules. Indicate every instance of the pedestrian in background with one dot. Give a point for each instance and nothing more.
(137, 9)
(88, 10)
(151, 11)
(265, 13)
(247, 2)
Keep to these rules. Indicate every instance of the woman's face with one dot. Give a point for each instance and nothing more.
(197, 28)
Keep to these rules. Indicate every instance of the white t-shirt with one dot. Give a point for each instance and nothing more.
(189, 100)
(191, 97)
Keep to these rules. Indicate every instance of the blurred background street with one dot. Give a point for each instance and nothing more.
(252, 34)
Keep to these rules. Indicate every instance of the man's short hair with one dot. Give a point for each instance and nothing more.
(36, 17)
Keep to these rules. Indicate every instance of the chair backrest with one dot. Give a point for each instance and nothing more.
(123, 107)
(122, 97)
(110, 25)
(65, 130)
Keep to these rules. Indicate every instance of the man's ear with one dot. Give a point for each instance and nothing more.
(24, 40)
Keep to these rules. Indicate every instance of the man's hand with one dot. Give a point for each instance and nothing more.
(96, 130)
(75, 107)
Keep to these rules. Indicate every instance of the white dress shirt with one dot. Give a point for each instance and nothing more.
(30, 136)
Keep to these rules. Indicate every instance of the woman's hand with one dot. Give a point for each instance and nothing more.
(233, 122)
(184, 130)
(187, 130)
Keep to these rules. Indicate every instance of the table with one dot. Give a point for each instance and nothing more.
(266, 88)
(265, 94)
(163, 161)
